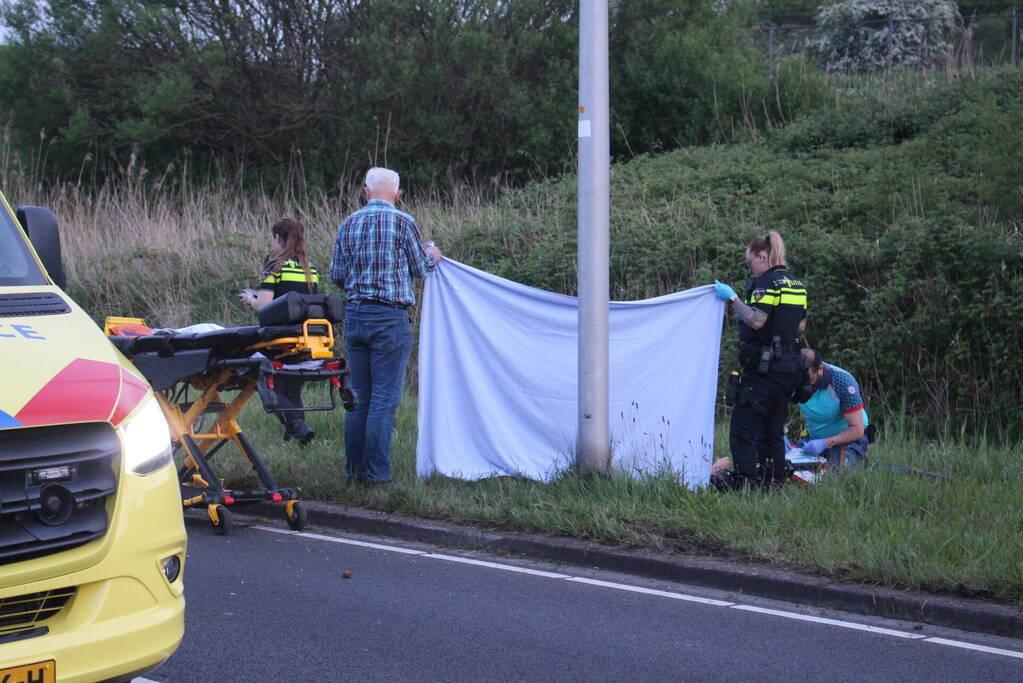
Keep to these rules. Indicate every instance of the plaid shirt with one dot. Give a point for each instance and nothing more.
(377, 253)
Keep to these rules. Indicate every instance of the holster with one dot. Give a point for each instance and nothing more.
(749, 356)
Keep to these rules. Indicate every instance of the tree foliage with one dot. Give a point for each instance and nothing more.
(865, 35)
(446, 90)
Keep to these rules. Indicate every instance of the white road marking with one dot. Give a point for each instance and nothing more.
(649, 591)
(832, 622)
(496, 565)
(335, 539)
(978, 648)
(637, 589)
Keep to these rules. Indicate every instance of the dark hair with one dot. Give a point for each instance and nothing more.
(293, 234)
(773, 244)
(811, 359)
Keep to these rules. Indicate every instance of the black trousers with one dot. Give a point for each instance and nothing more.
(756, 434)
(289, 397)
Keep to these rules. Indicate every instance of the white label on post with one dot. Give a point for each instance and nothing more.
(584, 128)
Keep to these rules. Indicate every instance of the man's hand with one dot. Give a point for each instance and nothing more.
(435, 253)
(723, 291)
(815, 447)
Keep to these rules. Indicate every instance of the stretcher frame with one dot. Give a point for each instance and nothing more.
(200, 485)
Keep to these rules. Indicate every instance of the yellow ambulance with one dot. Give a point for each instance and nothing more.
(92, 541)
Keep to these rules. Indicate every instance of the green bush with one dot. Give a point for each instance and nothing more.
(908, 242)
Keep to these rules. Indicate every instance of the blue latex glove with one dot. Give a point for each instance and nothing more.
(723, 291)
(814, 447)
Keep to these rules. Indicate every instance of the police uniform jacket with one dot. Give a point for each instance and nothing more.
(290, 276)
(783, 298)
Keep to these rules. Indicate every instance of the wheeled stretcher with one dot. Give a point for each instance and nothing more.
(294, 342)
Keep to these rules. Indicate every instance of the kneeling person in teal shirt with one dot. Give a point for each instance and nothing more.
(835, 417)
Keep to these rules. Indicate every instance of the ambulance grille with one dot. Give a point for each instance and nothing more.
(39, 303)
(54, 483)
(20, 614)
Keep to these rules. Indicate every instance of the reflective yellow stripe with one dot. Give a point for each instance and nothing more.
(794, 300)
(293, 276)
(767, 300)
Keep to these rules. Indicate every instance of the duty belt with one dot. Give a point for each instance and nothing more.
(789, 347)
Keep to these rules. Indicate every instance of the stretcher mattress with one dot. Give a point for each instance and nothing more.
(231, 342)
(166, 359)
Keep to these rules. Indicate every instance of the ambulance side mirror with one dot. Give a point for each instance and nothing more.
(41, 226)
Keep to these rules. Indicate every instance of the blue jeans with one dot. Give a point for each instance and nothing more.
(379, 342)
(847, 457)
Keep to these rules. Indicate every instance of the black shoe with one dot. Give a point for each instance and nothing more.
(730, 480)
(723, 481)
(300, 432)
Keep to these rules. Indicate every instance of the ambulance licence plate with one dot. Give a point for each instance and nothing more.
(40, 672)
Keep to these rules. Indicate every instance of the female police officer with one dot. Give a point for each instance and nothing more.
(771, 316)
(287, 269)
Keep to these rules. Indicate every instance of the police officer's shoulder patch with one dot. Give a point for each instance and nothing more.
(757, 295)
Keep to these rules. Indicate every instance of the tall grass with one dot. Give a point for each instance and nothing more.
(175, 252)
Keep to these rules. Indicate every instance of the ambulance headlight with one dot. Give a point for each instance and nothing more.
(146, 438)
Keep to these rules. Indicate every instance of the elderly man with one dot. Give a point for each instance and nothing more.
(377, 254)
(834, 415)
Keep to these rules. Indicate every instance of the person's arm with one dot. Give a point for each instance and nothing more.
(421, 259)
(753, 317)
(854, 432)
(262, 298)
(338, 272)
(255, 298)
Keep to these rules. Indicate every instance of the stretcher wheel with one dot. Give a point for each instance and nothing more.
(298, 517)
(222, 526)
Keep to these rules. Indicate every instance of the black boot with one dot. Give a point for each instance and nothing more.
(300, 432)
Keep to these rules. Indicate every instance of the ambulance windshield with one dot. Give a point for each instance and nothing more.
(17, 267)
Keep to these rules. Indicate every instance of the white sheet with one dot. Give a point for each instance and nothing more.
(498, 379)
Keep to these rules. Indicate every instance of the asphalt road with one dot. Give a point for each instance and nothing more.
(267, 605)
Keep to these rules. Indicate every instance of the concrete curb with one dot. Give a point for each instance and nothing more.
(762, 581)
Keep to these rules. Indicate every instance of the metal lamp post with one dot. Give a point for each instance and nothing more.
(593, 445)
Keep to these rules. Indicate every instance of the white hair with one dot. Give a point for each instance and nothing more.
(382, 180)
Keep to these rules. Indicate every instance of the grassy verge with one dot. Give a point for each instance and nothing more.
(877, 526)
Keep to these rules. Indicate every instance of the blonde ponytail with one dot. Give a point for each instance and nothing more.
(774, 245)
